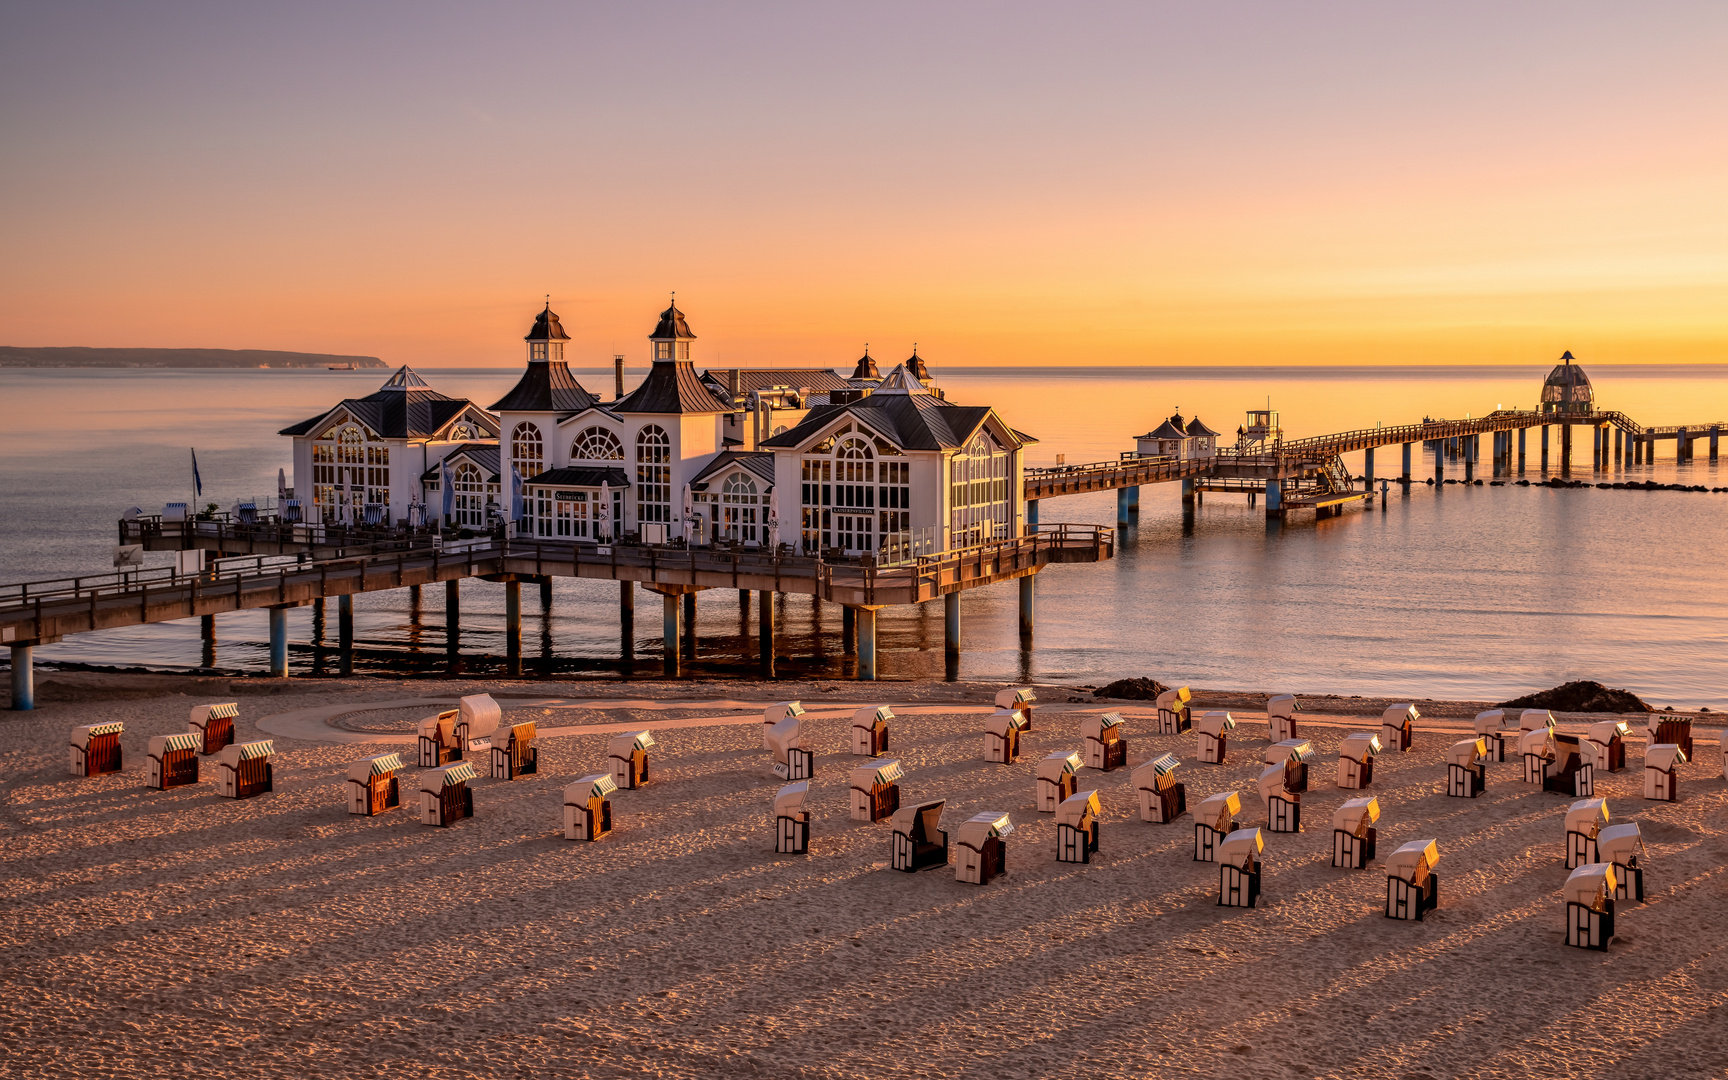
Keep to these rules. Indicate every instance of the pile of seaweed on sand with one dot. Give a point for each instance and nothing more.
(1581, 696)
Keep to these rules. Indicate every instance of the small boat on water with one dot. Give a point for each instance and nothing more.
(341, 367)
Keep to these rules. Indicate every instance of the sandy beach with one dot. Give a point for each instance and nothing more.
(179, 933)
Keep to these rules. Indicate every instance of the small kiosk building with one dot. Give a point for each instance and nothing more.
(1239, 868)
(982, 851)
(1353, 832)
(876, 790)
(96, 748)
(919, 843)
(1466, 775)
(773, 714)
(243, 769)
(791, 820)
(1589, 898)
(1356, 759)
(1283, 806)
(373, 786)
(628, 756)
(1281, 710)
(1412, 889)
(1214, 819)
(517, 755)
(1607, 742)
(587, 810)
(1055, 779)
(1212, 731)
(1106, 749)
(1623, 846)
(1077, 827)
(1162, 798)
(1397, 725)
(445, 797)
(1021, 698)
(1002, 736)
(1661, 771)
(1174, 713)
(213, 724)
(793, 758)
(1584, 819)
(174, 760)
(870, 730)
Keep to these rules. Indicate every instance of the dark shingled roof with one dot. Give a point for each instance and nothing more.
(400, 409)
(819, 380)
(866, 368)
(547, 327)
(484, 455)
(583, 476)
(672, 386)
(757, 461)
(1195, 427)
(546, 386)
(911, 421)
(672, 325)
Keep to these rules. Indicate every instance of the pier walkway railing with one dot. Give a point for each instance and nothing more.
(47, 610)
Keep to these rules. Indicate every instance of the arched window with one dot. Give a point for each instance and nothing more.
(740, 507)
(653, 475)
(470, 491)
(979, 502)
(851, 499)
(526, 452)
(596, 444)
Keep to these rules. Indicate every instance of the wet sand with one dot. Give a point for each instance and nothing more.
(178, 933)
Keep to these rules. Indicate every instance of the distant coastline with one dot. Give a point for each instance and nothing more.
(16, 356)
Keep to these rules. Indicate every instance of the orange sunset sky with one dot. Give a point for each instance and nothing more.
(1001, 183)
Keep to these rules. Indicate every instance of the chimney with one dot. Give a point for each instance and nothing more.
(732, 383)
(618, 376)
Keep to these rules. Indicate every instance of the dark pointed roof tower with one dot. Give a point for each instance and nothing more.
(546, 328)
(915, 364)
(866, 368)
(547, 385)
(672, 385)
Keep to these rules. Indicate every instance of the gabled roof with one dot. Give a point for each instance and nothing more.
(582, 476)
(546, 386)
(672, 326)
(910, 421)
(757, 461)
(605, 411)
(672, 386)
(483, 455)
(1169, 429)
(751, 380)
(1195, 427)
(403, 408)
(547, 327)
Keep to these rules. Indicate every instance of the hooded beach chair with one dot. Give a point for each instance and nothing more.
(1623, 847)
(1570, 773)
(1212, 732)
(1283, 806)
(174, 760)
(243, 769)
(437, 742)
(1162, 798)
(96, 748)
(1491, 726)
(587, 810)
(628, 756)
(1584, 819)
(875, 790)
(477, 717)
(1294, 755)
(1466, 775)
(373, 784)
(1356, 759)
(1589, 898)
(791, 820)
(1676, 730)
(1077, 827)
(290, 512)
(1174, 714)
(1412, 889)
(981, 853)
(515, 753)
(1353, 832)
(1054, 779)
(773, 714)
(213, 724)
(445, 797)
(919, 843)
(1661, 771)
(1019, 699)
(1002, 736)
(1281, 710)
(1397, 725)
(1214, 819)
(793, 759)
(1607, 742)
(1536, 749)
(1534, 719)
(246, 513)
(1239, 868)
(870, 730)
(1101, 735)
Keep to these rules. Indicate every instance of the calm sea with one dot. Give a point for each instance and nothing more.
(1477, 592)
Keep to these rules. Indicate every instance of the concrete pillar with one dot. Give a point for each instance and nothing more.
(1134, 503)
(689, 626)
(452, 622)
(513, 627)
(848, 631)
(1521, 433)
(24, 677)
(1122, 507)
(1544, 447)
(1026, 604)
(546, 594)
(279, 642)
(1566, 449)
(1274, 499)
(207, 634)
(1187, 491)
(1472, 447)
(1619, 446)
(671, 633)
(414, 597)
(345, 634)
(1406, 476)
(1031, 516)
(627, 620)
(765, 632)
(867, 644)
(951, 624)
(1714, 432)
(1368, 469)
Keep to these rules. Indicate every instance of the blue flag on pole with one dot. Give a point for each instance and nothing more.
(197, 481)
(515, 494)
(449, 486)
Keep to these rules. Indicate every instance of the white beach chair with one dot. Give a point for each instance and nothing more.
(1397, 725)
(1214, 819)
(517, 755)
(587, 809)
(627, 754)
(793, 759)
(1623, 847)
(1607, 742)
(1412, 889)
(1283, 806)
(1002, 736)
(1584, 819)
(1491, 726)
(1466, 775)
(1054, 779)
(875, 790)
(1162, 798)
(174, 760)
(1174, 712)
(1356, 759)
(870, 730)
(1212, 732)
(213, 724)
(1101, 735)
(1019, 699)
(96, 748)
(1281, 710)
(773, 714)
(1353, 832)
(1662, 771)
(1239, 868)
(791, 820)
(919, 843)
(243, 769)
(1589, 898)
(982, 852)
(1294, 755)
(1077, 827)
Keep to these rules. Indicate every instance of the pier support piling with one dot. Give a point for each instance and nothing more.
(24, 677)
(1368, 469)
(671, 633)
(546, 594)
(690, 626)
(765, 632)
(867, 644)
(1031, 516)
(1134, 504)
(1713, 436)
(951, 624)
(848, 631)
(1026, 591)
(1122, 505)
(627, 620)
(1274, 500)
(1521, 433)
(207, 635)
(1472, 445)
(513, 626)
(345, 634)
(1406, 476)
(279, 643)
(1565, 449)
(452, 621)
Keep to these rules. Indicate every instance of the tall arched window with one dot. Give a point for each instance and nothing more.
(653, 475)
(470, 490)
(739, 509)
(979, 503)
(854, 493)
(596, 444)
(526, 451)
